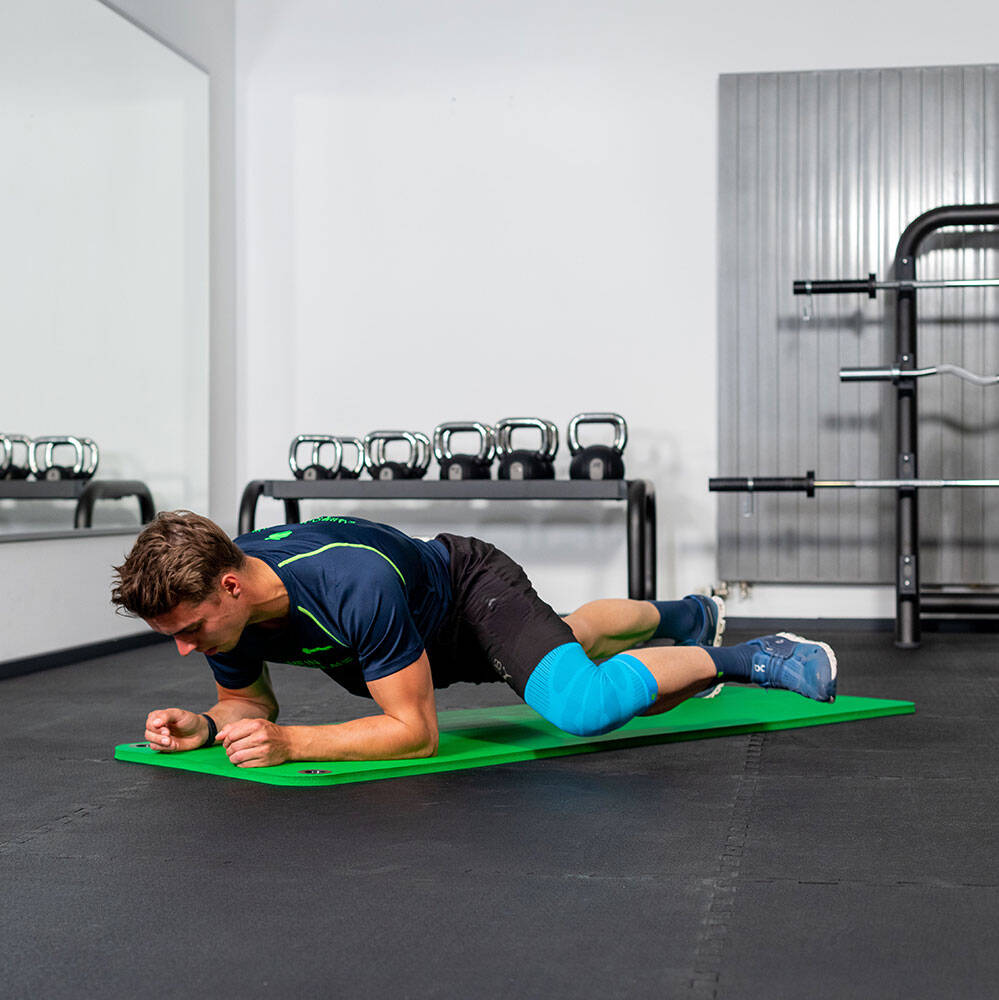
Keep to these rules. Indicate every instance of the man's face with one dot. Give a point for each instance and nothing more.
(213, 626)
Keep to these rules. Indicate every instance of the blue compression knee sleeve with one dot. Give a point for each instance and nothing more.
(585, 698)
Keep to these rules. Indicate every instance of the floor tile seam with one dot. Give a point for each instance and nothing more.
(416, 875)
(713, 934)
(68, 818)
(775, 776)
(871, 883)
(666, 880)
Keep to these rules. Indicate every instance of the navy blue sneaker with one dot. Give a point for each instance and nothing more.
(795, 664)
(711, 626)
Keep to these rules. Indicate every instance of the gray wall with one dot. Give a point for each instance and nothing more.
(819, 174)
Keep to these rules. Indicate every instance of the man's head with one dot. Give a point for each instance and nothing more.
(183, 577)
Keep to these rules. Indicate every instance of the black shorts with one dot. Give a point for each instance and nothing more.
(497, 629)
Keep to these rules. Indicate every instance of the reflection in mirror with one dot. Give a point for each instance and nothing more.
(104, 255)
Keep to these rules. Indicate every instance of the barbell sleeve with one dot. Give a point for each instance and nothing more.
(764, 484)
(871, 374)
(838, 286)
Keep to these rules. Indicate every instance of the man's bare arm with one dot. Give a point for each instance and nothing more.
(408, 728)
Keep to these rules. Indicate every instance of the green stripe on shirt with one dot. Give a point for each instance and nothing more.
(342, 545)
(319, 624)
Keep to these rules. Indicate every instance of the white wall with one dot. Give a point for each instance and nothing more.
(453, 210)
(56, 592)
(518, 183)
(106, 251)
(204, 32)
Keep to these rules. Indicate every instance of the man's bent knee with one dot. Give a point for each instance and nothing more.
(585, 698)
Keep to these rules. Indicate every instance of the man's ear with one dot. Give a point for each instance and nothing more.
(231, 584)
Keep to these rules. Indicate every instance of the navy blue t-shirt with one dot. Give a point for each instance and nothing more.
(363, 601)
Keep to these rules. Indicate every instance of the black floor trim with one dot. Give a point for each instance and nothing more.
(812, 627)
(765, 626)
(76, 654)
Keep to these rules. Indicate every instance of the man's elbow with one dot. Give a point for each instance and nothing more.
(268, 707)
(265, 709)
(428, 744)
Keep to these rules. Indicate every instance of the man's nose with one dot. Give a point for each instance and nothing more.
(185, 647)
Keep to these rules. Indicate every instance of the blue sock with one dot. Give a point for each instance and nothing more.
(734, 663)
(677, 619)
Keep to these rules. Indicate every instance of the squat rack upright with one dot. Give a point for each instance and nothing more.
(909, 600)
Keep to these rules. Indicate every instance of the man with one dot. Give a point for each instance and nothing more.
(392, 618)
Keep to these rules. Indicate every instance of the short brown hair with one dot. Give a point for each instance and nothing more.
(179, 556)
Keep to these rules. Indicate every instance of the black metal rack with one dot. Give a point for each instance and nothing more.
(910, 601)
(639, 495)
(85, 492)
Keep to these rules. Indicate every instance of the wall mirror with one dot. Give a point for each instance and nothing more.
(104, 254)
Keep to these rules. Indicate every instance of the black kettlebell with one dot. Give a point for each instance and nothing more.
(521, 463)
(597, 461)
(380, 467)
(316, 469)
(464, 465)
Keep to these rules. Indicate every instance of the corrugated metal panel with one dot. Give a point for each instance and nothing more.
(819, 173)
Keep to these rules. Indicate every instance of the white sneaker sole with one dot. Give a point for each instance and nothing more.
(711, 692)
(719, 619)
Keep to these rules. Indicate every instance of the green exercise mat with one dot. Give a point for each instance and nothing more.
(479, 737)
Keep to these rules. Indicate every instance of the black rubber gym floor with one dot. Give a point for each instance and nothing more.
(854, 860)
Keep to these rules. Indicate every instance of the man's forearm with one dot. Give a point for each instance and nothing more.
(379, 737)
(228, 710)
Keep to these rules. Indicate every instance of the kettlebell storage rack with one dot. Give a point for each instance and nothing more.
(597, 461)
(910, 601)
(639, 494)
(85, 493)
